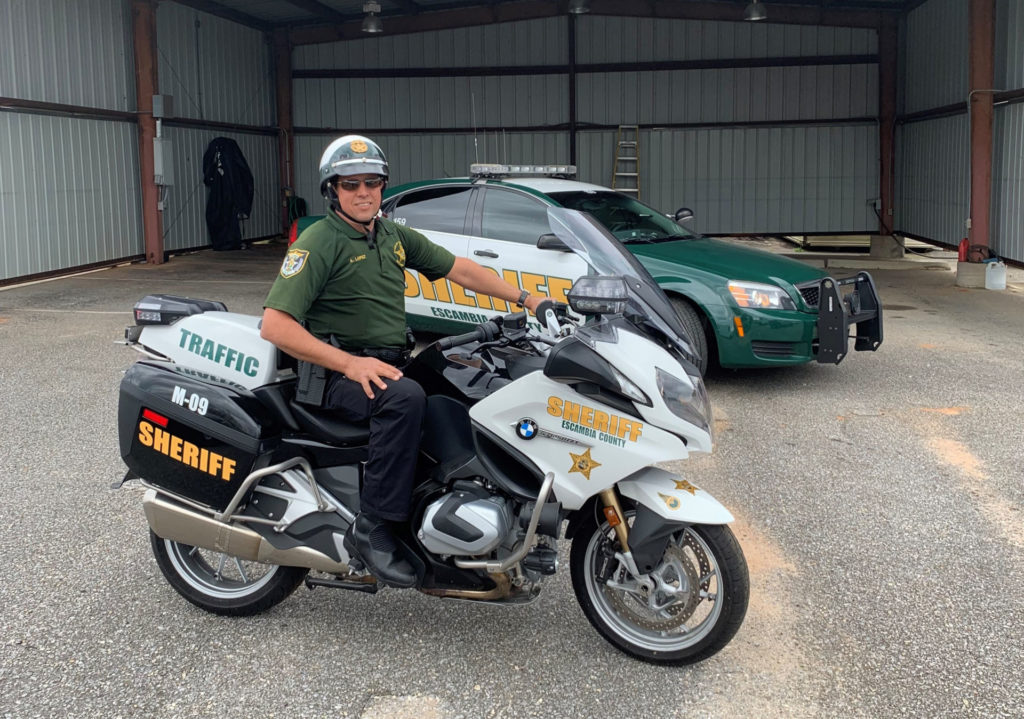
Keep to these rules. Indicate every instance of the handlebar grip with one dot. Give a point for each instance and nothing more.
(558, 307)
(483, 333)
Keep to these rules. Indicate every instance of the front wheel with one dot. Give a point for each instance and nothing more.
(690, 317)
(691, 608)
(223, 584)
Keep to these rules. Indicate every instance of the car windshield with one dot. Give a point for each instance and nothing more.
(592, 242)
(628, 219)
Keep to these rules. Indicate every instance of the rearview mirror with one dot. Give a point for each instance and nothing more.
(551, 242)
(683, 214)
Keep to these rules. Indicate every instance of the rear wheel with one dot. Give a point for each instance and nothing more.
(691, 319)
(693, 606)
(223, 584)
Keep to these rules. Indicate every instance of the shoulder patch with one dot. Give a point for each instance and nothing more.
(399, 250)
(293, 263)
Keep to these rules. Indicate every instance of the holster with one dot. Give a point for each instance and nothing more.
(312, 384)
(312, 380)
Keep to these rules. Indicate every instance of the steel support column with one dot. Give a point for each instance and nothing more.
(981, 26)
(144, 40)
(887, 63)
(572, 89)
(286, 135)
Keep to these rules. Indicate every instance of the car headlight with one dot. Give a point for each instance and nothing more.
(687, 399)
(760, 296)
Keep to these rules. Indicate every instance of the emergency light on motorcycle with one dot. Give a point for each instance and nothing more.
(593, 295)
(166, 309)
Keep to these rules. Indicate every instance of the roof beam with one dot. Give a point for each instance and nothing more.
(222, 11)
(496, 12)
(319, 10)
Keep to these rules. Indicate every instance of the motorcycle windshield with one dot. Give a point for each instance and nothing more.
(591, 241)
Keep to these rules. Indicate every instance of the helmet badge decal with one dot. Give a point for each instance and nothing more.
(358, 146)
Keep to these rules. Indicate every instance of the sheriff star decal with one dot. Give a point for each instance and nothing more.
(293, 263)
(358, 146)
(685, 486)
(583, 463)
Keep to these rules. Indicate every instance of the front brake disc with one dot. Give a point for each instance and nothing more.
(633, 607)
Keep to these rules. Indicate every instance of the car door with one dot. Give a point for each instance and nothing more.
(506, 225)
(440, 212)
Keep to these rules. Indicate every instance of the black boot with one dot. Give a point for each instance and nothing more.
(370, 539)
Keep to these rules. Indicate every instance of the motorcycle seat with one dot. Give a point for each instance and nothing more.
(327, 428)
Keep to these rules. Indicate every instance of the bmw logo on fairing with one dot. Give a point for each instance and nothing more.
(526, 429)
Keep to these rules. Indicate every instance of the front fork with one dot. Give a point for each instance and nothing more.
(617, 520)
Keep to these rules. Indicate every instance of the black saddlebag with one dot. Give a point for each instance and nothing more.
(193, 436)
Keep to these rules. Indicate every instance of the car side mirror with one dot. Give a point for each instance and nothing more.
(551, 242)
(683, 214)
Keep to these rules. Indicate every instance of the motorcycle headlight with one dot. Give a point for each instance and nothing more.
(760, 296)
(629, 389)
(687, 399)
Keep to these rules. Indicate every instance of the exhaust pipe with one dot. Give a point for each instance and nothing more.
(180, 524)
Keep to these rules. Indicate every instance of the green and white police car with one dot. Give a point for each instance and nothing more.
(743, 307)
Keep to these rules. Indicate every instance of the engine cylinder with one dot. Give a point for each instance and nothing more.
(465, 522)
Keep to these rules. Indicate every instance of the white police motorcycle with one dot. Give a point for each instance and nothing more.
(249, 492)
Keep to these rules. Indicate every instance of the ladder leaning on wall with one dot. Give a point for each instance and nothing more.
(626, 172)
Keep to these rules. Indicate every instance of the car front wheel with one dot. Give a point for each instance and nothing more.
(690, 317)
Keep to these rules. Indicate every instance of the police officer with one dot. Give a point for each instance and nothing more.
(345, 277)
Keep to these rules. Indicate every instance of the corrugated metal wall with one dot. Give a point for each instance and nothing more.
(933, 155)
(68, 185)
(676, 165)
(1008, 183)
(936, 55)
(625, 39)
(933, 167)
(64, 198)
(216, 71)
(1008, 166)
(528, 42)
(818, 179)
(1009, 44)
(184, 216)
(75, 53)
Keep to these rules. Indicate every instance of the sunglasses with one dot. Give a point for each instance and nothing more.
(353, 185)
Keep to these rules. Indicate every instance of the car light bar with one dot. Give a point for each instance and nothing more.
(479, 169)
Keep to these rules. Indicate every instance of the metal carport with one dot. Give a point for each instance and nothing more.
(829, 117)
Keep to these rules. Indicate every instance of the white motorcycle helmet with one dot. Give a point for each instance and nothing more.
(350, 155)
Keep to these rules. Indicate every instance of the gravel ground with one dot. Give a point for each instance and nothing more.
(878, 504)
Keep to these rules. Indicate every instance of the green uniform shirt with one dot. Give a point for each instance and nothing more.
(333, 280)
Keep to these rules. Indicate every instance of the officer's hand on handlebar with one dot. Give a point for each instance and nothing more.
(532, 303)
(370, 371)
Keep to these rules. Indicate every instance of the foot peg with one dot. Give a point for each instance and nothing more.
(367, 587)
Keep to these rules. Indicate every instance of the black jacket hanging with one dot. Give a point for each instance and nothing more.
(229, 199)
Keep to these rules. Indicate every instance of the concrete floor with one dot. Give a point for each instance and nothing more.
(878, 504)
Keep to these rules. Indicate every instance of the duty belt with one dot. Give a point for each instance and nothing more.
(391, 355)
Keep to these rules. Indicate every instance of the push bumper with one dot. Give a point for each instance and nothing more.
(838, 309)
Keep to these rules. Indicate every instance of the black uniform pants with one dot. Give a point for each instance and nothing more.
(396, 421)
